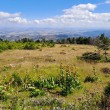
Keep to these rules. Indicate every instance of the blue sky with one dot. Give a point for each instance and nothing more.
(45, 8)
(23, 12)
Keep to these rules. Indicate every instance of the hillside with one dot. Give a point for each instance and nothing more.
(44, 63)
(48, 33)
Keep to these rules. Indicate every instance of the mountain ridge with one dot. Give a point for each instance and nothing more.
(53, 34)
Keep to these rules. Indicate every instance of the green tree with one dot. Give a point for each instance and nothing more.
(103, 43)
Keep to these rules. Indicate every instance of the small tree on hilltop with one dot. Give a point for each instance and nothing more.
(103, 43)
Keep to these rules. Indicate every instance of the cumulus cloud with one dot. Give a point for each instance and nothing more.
(7, 15)
(81, 7)
(48, 21)
(82, 15)
(18, 20)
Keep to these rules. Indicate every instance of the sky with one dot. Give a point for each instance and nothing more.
(55, 13)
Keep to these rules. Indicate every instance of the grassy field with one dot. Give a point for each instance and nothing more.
(46, 62)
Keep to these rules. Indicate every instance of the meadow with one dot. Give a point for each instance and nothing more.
(23, 71)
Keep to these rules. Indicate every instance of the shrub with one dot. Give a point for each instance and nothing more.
(63, 45)
(4, 95)
(91, 56)
(36, 92)
(68, 82)
(91, 79)
(51, 44)
(107, 90)
(16, 79)
(30, 46)
(105, 70)
(105, 101)
(48, 83)
(16, 103)
(27, 81)
(38, 84)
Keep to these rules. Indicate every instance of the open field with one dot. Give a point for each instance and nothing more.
(46, 63)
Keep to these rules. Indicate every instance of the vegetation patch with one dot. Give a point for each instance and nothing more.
(91, 56)
(105, 70)
(91, 79)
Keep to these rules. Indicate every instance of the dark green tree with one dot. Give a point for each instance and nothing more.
(103, 43)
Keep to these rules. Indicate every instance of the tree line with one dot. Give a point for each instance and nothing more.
(81, 40)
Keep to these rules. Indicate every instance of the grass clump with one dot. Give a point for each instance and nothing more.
(4, 95)
(105, 70)
(91, 56)
(90, 79)
(105, 101)
(16, 79)
(107, 90)
(36, 92)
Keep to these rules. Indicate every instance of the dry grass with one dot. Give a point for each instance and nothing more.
(46, 62)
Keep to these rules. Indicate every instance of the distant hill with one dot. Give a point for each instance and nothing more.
(96, 33)
(37, 33)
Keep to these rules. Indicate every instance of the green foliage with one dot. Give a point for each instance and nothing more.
(16, 79)
(48, 83)
(16, 103)
(30, 46)
(36, 92)
(68, 82)
(90, 79)
(4, 95)
(25, 43)
(103, 43)
(27, 82)
(38, 84)
(25, 40)
(107, 90)
(93, 78)
(77, 40)
(91, 56)
(105, 101)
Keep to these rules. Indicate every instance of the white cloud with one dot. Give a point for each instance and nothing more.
(82, 15)
(18, 20)
(48, 21)
(81, 7)
(36, 21)
(6, 15)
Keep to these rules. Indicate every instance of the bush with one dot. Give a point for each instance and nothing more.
(50, 44)
(30, 46)
(48, 83)
(68, 82)
(36, 92)
(105, 101)
(91, 56)
(27, 82)
(38, 84)
(105, 70)
(16, 79)
(4, 95)
(91, 79)
(107, 90)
